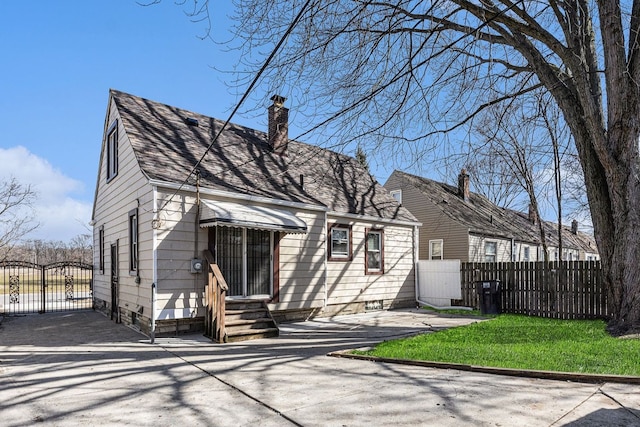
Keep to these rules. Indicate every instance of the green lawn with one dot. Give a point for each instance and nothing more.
(521, 342)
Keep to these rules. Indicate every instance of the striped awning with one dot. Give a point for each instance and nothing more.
(228, 214)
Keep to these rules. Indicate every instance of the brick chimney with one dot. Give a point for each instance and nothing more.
(574, 226)
(278, 125)
(463, 185)
(533, 215)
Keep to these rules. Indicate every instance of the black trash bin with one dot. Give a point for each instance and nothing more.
(489, 293)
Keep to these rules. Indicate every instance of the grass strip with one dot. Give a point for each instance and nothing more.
(521, 342)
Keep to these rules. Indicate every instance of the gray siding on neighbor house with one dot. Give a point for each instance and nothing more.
(436, 224)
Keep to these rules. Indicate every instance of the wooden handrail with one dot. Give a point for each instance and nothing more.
(216, 270)
(215, 295)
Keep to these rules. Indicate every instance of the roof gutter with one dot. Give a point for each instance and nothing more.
(375, 219)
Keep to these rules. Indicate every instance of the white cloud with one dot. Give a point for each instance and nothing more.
(61, 217)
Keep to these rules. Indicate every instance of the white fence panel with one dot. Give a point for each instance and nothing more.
(439, 282)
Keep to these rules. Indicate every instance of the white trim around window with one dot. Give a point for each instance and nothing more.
(490, 251)
(112, 151)
(340, 239)
(436, 249)
(397, 194)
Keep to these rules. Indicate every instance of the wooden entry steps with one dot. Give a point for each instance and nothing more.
(247, 319)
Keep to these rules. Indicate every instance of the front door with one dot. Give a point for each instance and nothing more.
(114, 282)
(244, 258)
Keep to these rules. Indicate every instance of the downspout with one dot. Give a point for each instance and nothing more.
(326, 273)
(155, 224)
(416, 278)
(513, 250)
(196, 230)
(153, 313)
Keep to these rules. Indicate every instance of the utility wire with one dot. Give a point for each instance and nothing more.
(358, 103)
(244, 97)
(344, 110)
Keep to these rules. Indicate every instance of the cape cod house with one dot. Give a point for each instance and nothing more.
(302, 228)
(460, 224)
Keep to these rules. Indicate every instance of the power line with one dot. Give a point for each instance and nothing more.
(342, 111)
(244, 97)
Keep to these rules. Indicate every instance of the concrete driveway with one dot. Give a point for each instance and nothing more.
(82, 369)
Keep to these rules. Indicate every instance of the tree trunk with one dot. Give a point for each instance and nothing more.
(621, 254)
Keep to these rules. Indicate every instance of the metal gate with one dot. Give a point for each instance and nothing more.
(31, 288)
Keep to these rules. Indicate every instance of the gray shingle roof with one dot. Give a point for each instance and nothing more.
(241, 161)
(482, 216)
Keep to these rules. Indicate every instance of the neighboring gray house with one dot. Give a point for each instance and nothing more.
(304, 228)
(460, 224)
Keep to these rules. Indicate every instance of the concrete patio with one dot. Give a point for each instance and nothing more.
(82, 369)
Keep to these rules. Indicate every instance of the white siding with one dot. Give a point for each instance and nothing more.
(179, 292)
(126, 191)
(520, 248)
(477, 248)
(302, 265)
(439, 282)
(347, 281)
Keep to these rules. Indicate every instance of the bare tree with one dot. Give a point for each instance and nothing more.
(513, 156)
(408, 72)
(16, 214)
(81, 248)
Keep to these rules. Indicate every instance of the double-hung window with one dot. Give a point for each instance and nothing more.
(435, 249)
(340, 242)
(133, 241)
(112, 151)
(374, 251)
(527, 254)
(490, 251)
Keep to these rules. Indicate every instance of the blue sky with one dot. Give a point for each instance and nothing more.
(59, 60)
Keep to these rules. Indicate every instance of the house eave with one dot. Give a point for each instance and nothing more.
(237, 196)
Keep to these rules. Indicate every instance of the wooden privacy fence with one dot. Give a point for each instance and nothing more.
(562, 290)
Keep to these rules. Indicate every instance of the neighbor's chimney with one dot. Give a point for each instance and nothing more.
(463, 185)
(574, 226)
(278, 125)
(533, 215)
